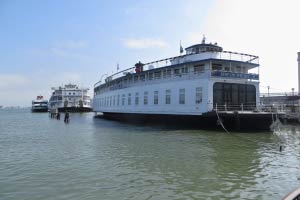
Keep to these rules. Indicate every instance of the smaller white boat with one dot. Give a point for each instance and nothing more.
(39, 105)
(71, 98)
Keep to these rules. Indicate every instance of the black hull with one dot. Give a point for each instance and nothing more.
(39, 110)
(231, 121)
(74, 109)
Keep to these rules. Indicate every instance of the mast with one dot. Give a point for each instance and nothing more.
(298, 72)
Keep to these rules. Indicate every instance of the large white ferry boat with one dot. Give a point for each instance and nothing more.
(70, 98)
(39, 104)
(206, 87)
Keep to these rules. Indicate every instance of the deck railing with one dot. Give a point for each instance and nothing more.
(276, 94)
(131, 81)
(235, 107)
(225, 55)
(282, 108)
(151, 80)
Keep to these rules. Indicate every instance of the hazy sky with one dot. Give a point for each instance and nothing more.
(49, 43)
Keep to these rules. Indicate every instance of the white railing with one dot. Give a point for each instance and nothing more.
(130, 81)
(225, 55)
(279, 94)
(235, 107)
(279, 108)
(151, 80)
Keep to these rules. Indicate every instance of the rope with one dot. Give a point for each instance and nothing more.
(221, 123)
(276, 124)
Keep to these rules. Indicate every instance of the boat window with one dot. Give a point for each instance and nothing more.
(176, 71)
(168, 72)
(164, 73)
(137, 98)
(150, 76)
(238, 69)
(199, 68)
(198, 95)
(234, 95)
(157, 75)
(243, 70)
(136, 78)
(123, 99)
(110, 101)
(181, 96)
(114, 101)
(216, 67)
(118, 100)
(155, 97)
(129, 99)
(184, 70)
(142, 77)
(168, 96)
(145, 98)
(130, 79)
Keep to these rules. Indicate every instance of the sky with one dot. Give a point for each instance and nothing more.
(49, 43)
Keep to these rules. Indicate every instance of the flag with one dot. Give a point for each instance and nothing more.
(181, 48)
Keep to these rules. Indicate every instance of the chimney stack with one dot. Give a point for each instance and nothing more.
(298, 73)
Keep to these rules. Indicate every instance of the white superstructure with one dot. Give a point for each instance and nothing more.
(70, 97)
(204, 80)
(39, 104)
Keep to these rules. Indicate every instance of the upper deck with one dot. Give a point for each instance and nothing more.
(69, 87)
(201, 60)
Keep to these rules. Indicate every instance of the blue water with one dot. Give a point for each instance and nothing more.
(92, 158)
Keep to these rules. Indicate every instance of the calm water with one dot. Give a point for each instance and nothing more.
(42, 158)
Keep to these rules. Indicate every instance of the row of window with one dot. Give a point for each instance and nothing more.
(166, 73)
(118, 100)
(67, 93)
